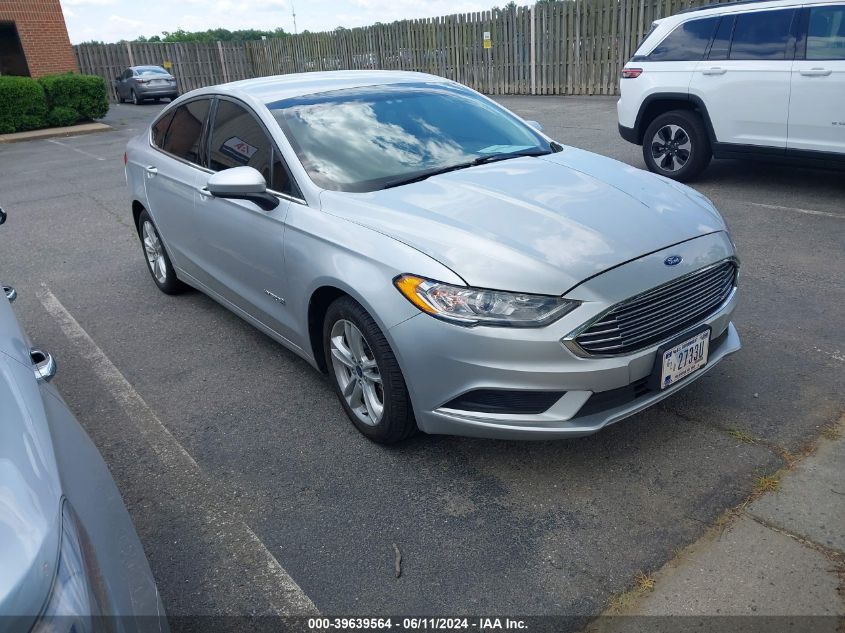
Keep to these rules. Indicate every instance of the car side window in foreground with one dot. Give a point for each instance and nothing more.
(762, 35)
(160, 129)
(686, 43)
(238, 139)
(826, 33)
(184, 136)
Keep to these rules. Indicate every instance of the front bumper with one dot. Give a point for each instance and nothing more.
(442, 361)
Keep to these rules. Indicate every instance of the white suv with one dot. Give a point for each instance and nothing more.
(745, 79)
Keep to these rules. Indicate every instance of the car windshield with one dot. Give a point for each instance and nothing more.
(364, 139)
(151, 70)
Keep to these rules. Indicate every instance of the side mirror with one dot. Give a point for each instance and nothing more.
(242, 183)
(536, 125)
(3, 216)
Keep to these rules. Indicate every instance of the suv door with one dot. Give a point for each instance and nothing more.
(173, 176)
(241, 246)
(817, 106)
(745, 80)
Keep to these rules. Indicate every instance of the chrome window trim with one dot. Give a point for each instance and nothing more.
(569, 342)
(206, 170)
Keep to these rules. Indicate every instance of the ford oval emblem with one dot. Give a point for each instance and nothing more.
(673, 260)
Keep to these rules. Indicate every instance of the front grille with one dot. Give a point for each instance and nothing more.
(660, 313)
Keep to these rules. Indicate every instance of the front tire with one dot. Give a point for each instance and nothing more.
(158, 261)
(365, 374)
(676, 145)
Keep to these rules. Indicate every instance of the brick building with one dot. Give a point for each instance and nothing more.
(34, 39)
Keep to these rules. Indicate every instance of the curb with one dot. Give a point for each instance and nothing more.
(53, 132)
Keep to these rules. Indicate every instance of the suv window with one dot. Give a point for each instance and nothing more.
(722, 39)
(184, 136)
(761, 35)
(238, 139)
(826, 33)
(686, 43)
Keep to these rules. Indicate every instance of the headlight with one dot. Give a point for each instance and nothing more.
(73, 605)
(477, 306)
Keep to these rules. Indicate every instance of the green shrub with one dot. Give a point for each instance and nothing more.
(22, 104)
(84, 94)
(62, 116)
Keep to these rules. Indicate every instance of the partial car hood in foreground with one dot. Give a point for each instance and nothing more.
(539, 225)
(30, 493)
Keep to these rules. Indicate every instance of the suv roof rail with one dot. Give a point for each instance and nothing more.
(714, 5)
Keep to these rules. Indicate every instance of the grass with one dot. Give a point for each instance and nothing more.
(742, 436)
(767, 483)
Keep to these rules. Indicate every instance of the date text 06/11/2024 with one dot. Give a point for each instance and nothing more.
(417, 624)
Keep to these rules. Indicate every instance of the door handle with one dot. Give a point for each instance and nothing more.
(714, 71)
(815, 72)
(205, 193)
(44, 365)
(151, 171)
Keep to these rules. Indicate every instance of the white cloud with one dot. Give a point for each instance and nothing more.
(88, 3)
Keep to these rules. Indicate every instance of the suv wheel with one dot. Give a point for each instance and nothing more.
(675, 145)
(365, 374)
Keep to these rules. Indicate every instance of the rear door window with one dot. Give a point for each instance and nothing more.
(722, 38)
(184, 137)
(826, 33)
(686, 43)
(762, 35)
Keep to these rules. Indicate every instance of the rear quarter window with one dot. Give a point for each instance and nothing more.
(687, 42)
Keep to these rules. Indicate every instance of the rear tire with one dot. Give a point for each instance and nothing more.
(158, 261)
(365, 374)
(676, 145)
(135, 98)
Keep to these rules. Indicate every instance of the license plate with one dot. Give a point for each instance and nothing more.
(684, 358)
(157, 82)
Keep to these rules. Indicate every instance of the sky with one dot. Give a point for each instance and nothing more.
(114, 20)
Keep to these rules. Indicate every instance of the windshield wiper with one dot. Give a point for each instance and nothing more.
(426, 174)
(481, 160)
(492, 158)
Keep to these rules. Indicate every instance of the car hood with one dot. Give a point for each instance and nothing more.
(30, 491)
(534, 224)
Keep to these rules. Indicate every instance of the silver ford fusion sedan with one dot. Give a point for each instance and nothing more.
(70, 560)
(450, 267)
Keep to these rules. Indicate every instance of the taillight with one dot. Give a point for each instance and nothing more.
(125, 159)
(631, 73)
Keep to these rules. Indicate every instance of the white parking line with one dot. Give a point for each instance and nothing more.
(75, 149)
(797, 210)
(286, 597)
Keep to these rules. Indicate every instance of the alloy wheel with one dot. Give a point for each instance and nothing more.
(357, 372)
(671, 147)
(154, 251)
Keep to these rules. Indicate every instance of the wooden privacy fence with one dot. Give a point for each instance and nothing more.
(568, 47)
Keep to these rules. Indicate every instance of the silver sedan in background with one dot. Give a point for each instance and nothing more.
(450, 268)
(138, 83)
(70, 560)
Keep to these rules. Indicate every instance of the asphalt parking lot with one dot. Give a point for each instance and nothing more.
(252, 493)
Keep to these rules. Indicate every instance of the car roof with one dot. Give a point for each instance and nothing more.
(737, 7)
(278, 87)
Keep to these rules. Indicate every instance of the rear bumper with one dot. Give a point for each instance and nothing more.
(629, 134)
(156, 91)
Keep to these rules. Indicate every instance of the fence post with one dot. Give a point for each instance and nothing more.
(533, 50)
(223, 62)
(129, 52)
